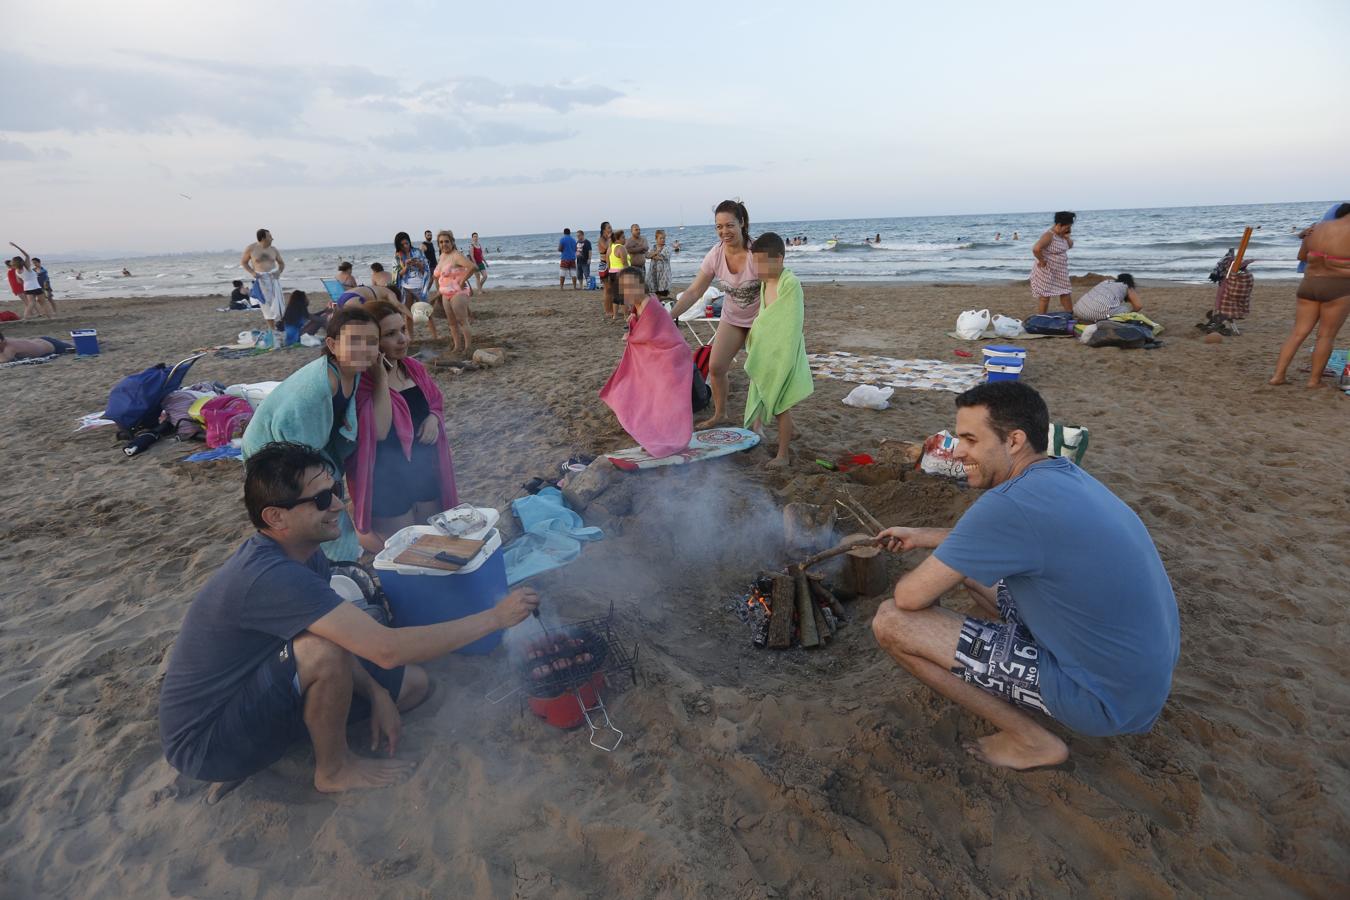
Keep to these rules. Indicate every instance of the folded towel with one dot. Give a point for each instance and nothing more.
(780, 375)
(650, 390)
(552, 538)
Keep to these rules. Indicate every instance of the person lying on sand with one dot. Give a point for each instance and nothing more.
(31, 348)
(1079, 622)
(269, 653)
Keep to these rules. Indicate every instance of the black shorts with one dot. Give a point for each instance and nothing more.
(400, 483)
(261, 722)
(1002, 658)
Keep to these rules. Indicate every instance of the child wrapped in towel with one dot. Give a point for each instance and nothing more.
(780, 376)
(650, 390)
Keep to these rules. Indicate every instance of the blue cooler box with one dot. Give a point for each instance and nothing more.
(1002, 373)
(420, 596)
(86, 341)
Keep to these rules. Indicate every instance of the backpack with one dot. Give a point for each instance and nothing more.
(1120, 334)
(700, 393)
(134, 403)
(1049, 323)
(702, 356)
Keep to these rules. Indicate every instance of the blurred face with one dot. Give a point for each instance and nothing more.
(475, 237)
(633, 292)
(356, 347)
(768, 266)
(405, 244)
(394, 337)
(581, 235)
(1062, 230)
(305, 521)
(637, 232)
(988, 459)
(443, 242)
(728, 228)
(605, 231)
(426, 235)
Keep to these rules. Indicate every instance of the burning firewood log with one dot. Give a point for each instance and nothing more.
(782, 606)
(808, 633)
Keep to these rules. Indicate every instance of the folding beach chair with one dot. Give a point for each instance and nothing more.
(134, 403)
(699, 313)
(333, 287)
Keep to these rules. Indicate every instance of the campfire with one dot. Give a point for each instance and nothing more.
(795, 607)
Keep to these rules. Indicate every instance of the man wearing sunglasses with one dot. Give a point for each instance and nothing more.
(269, 653)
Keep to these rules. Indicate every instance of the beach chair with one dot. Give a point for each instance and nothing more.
(698, 313)
(333, 287)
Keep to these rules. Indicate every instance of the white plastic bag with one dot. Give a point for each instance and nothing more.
(311, 340)
(972, 323)
(867, 396)
(1008, 327)
(1086, 334)
(939, 456)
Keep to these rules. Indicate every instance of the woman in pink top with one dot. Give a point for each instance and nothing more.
(451, 273)
(731, 267)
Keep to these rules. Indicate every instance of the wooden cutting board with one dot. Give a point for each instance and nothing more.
(422, 552)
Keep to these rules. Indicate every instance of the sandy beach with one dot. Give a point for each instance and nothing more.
(744, 773)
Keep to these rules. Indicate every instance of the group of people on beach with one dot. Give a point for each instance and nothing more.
(616, 251)
(30, 283)
(1074, 619)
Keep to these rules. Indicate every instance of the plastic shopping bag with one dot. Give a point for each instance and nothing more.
(939, 456)
(972, 323)
(1008, 327)
(866, 396)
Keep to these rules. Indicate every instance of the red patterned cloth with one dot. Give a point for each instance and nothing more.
(1235, 295)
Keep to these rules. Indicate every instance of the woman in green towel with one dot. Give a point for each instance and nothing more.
(314, 405)
(780, 375)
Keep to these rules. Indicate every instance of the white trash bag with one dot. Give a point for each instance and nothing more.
(971, 324)
(867, 396)
(1008, 327)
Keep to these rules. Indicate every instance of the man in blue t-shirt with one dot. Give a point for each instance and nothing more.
(269, 654)
(1078, 621)
(567, 247)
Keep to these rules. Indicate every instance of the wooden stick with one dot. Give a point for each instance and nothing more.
(1241, 250)
(866, 517)
(783, 601)
(806, 616)
(825, 594)
(833, 552)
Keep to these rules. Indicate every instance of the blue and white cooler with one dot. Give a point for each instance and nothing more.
(419, 596)
(1004, 362)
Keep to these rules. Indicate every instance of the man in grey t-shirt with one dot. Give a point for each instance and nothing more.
(268, 653)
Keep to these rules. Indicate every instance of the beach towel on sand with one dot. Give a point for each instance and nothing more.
(300, 409)
(361, 464)
(780, 375)
(649, 391)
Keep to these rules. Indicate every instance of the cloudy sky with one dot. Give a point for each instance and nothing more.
(340, 123)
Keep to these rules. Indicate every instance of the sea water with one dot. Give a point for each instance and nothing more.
(1178, 244)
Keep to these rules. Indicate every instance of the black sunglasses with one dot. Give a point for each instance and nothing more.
(322, 500)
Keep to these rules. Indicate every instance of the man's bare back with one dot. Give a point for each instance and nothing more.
(24, 348)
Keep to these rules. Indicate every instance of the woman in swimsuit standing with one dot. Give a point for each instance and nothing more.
(451, 273)
(1323, 295)
(731, 266)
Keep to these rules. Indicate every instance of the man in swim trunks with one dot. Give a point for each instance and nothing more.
(567, 268)
(264, 263)
(269, 654)
(1077, 620)
(31, 348)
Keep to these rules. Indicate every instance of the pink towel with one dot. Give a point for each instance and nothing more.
(650, 390)
(225, 417)
(361, 464)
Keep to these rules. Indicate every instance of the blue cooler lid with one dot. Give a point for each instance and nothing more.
(1004, 350)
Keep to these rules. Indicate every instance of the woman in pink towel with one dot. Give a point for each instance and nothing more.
(401, 472)
(650, 390)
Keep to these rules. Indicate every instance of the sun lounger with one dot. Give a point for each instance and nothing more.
(333, 287)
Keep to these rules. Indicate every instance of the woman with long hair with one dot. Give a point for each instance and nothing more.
(411, 272)
(452, 272)
(730, 266)
(401, 472)
(608, 287)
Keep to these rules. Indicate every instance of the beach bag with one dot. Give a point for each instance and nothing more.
(1007, 327)
(939, 456)
(1125, 335)
(702, 358)
(1068, 441)
(700, 393)
(1050, 323)
(971, 324)
(134, 401)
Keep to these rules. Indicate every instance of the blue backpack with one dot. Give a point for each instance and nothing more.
(1049, 323)
(134, 403)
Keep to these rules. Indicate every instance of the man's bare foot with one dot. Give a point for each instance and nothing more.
(1277, 381)
(712, 422)
(778, 462)
(1316, 385)
(1014, 752)
(360, 773)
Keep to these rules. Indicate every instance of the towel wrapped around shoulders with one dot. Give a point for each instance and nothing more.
(300, 409)
(780, 375)
(650, 390)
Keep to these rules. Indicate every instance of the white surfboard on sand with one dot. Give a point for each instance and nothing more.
(709, 444)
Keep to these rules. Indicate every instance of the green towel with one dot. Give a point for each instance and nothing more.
(300, 409)
(780, 376)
